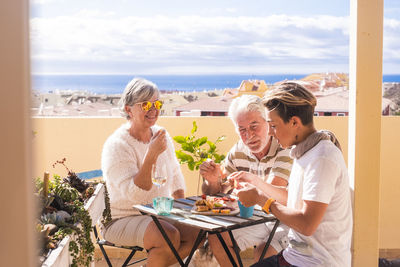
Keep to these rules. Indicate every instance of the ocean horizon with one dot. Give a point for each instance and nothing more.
(115, 84)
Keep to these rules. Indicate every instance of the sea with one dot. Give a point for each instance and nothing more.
(115, 84)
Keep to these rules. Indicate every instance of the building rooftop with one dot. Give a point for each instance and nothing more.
(211, 104)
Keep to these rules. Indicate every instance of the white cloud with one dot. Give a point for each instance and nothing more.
(231, 10)
(391, 45)
(159, 44)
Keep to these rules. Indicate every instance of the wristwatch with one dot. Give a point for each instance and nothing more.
(267, 205)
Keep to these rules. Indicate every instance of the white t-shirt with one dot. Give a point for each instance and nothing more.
(321, 175)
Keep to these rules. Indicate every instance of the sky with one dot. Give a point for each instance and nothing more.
(199, 37)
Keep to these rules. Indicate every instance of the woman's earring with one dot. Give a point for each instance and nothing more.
(295, 137)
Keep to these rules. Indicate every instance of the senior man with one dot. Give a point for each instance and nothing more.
(255, 150)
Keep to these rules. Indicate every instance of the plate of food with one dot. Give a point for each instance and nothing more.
(210, 205)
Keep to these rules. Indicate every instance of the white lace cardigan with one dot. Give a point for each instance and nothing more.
(121, 159)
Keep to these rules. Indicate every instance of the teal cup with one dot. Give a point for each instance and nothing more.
(245, 212)
(163, 205)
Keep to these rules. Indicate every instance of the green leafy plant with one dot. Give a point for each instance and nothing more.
(68, 195)
(107, 211)
(82, 248)
(52, 184)
(195, 151)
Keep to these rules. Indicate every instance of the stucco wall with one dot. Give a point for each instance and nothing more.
(390, 184)
(80, 140)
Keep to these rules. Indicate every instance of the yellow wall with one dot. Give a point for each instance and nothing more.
(80, 140)
(389, 214)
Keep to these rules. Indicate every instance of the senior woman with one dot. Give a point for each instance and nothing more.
(127, 160)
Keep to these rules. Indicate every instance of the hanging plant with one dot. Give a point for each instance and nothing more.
(63, 214)
(106, 216)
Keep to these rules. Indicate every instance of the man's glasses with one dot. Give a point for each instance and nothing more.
(146, 106)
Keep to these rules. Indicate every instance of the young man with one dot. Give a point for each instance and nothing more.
(318, 209)
(255, 150)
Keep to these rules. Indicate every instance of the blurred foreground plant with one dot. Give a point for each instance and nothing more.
(63, 213)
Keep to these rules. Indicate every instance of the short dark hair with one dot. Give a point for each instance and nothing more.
(291, 99)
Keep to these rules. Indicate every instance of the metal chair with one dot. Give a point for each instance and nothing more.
(101, 242)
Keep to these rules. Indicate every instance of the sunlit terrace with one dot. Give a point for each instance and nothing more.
(369, 141)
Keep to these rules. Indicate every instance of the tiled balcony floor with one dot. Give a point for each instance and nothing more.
(118, 262)
(115, 262)
(118, 256)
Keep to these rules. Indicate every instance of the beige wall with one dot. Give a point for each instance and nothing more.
(80, 140)
(389, 213)
(16, 209)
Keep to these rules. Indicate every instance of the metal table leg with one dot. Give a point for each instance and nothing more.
(226, 249)
(164, 234)
(271, 235)
(235, 248)
(200, 237)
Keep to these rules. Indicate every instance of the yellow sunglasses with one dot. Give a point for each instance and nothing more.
(146, 105)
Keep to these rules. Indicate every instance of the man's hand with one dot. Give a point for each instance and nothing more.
(211, 171)
(249, 195)
(243, 176)
(178, 194)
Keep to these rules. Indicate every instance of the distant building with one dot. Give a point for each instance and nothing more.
(219, 106)
(330, 89)
(252, 87)
(327, 80)
(312, 86)
(230, 92)
(178, 99)
(337, 104)
(387, 86)
(212, 106)
(74, 103)
(388, 107)
(51, 99)
(333, 105)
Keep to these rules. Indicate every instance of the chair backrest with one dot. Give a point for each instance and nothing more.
(97, 238)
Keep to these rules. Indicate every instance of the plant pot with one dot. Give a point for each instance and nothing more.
(60, 256)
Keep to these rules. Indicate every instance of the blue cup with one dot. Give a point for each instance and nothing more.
(245, 212)
(163, 205)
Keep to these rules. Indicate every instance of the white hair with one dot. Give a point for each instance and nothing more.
(136, 91)
(245, 103)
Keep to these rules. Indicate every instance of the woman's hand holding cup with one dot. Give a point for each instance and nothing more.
(158, 143)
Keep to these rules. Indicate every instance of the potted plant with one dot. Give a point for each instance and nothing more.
(64, 219)
(195, 150)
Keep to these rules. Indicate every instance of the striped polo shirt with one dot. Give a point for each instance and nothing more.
(276, 163)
